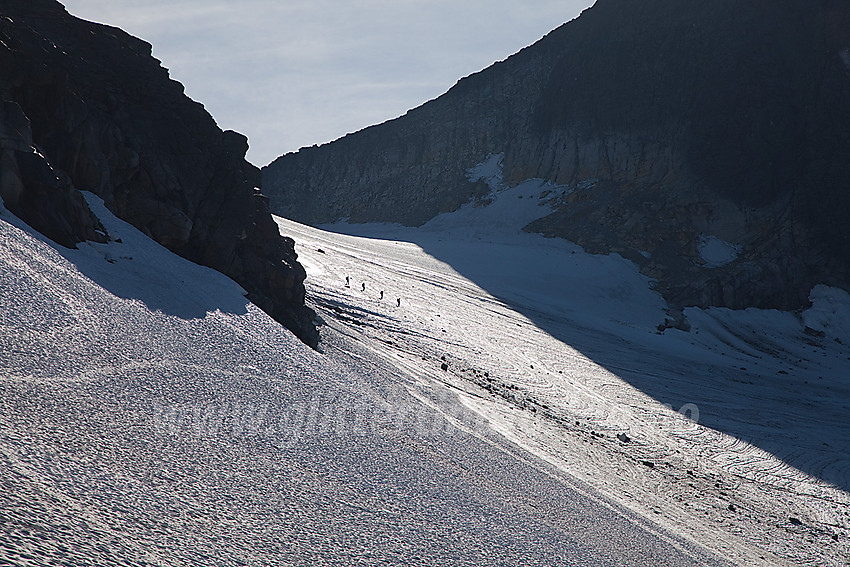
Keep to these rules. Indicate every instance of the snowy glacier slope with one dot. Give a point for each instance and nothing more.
(151, 415)
(734, 435)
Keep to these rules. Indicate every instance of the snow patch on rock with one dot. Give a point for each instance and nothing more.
(587, 184)
(829, 313)
(715, 252)
(845, 57)
(505, 212)
(489, 171)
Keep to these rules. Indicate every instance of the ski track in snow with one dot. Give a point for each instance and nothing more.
(770, 444)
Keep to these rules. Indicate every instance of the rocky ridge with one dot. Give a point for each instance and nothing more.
(667, 123)
(86, 107)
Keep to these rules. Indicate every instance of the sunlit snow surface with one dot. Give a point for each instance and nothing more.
(151, 415)
(570, 344)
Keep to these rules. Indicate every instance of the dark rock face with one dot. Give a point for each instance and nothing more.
(669, 120)
(34, 191)
(86, 106)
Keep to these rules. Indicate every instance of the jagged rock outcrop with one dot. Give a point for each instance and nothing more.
(668, 123)
(33, 190)
(86, 107)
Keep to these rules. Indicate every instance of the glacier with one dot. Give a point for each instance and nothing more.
(467, 415)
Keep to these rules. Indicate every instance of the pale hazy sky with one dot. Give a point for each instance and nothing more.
(292, 73)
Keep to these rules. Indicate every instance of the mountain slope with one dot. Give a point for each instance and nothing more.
(86, 107)
(666, 123)
(152, 416)
(733, 434)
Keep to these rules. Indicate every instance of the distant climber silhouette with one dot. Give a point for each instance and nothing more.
(347, 283)
(399, 301)
(364, 286)
(382, 294)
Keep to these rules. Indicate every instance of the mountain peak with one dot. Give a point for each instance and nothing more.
(715, 119)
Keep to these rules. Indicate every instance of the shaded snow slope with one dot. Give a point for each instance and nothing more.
(734, 434)
(150, 415)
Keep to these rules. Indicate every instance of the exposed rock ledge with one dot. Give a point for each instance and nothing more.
(86, 106)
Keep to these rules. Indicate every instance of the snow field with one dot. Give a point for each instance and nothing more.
(737, 434)
(151, 415)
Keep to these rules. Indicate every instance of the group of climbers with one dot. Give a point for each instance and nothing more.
(363, 288)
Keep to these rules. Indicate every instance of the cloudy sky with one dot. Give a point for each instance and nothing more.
(292, 73)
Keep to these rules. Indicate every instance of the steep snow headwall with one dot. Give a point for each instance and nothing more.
(694, 119)
(86, 106)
